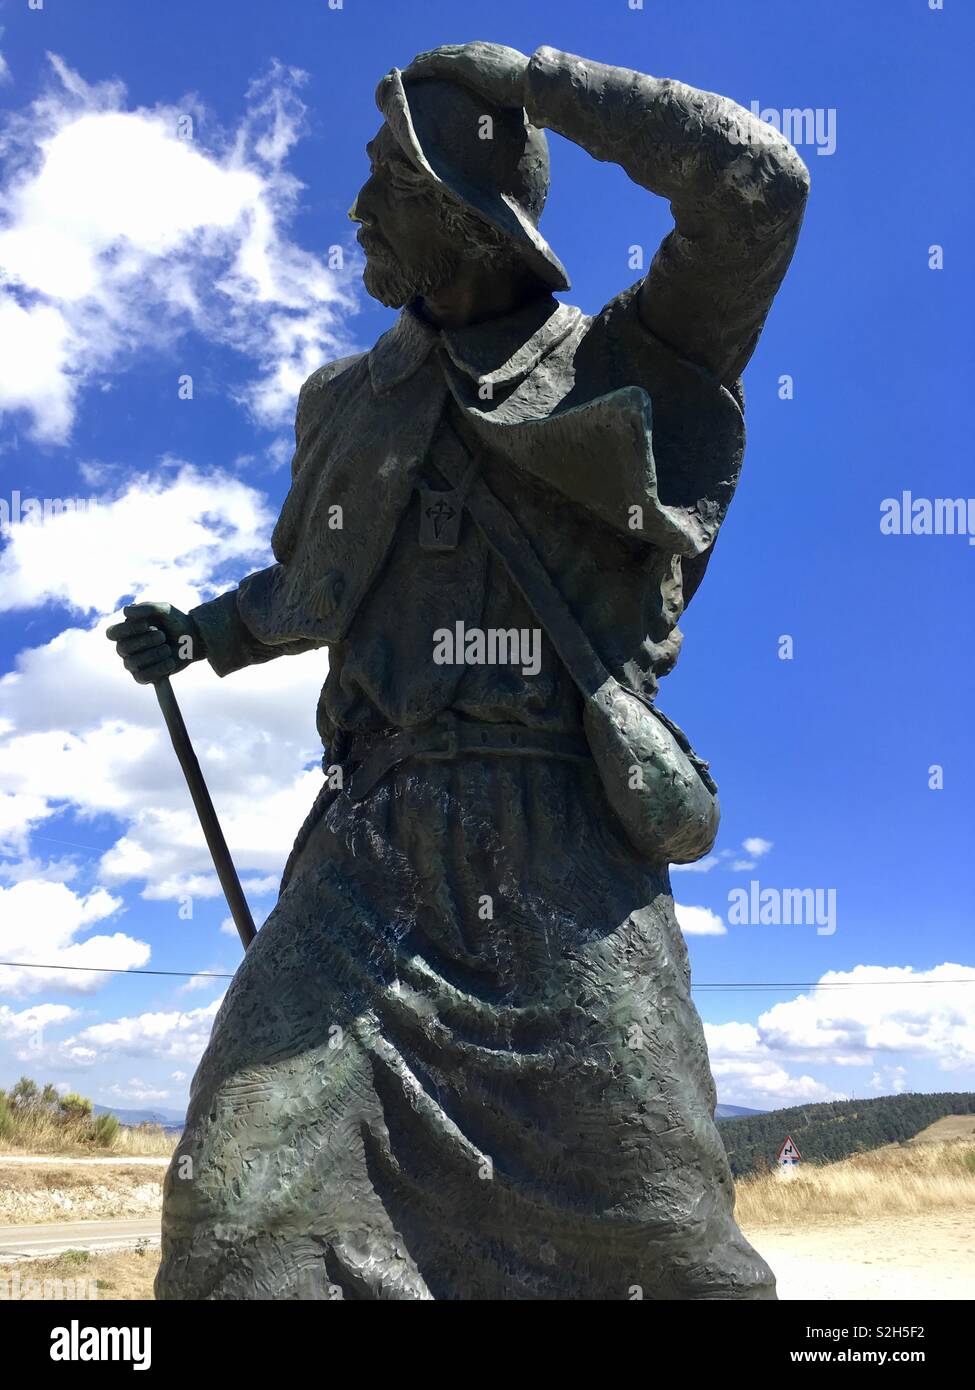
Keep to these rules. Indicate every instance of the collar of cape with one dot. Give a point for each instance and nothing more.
(500, 351)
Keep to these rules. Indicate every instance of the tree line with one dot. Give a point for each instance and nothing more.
(831, 1130)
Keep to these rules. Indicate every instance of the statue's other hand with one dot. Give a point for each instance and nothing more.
(156, 640)
(493, 71)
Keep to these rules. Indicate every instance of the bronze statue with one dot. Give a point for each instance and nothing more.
(460, 1060)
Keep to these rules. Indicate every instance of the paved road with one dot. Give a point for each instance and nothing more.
(63, 1160)
(53, 1238)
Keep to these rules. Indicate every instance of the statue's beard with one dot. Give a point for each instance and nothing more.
(394, 283)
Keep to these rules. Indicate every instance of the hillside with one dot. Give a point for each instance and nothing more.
(165, 1119)
(833, 1130)
(950, 1128)
(731, 1112)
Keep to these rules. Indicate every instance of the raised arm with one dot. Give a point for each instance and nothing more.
(737, 188)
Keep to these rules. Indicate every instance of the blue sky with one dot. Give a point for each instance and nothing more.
(133, 256)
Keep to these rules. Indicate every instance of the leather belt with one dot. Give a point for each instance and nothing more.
(449, 737)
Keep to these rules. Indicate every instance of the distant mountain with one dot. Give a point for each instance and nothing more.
(172, 1119)
(831, 1130)
(730, 1112)
(168, 1119)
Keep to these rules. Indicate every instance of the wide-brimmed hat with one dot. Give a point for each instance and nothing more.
(491, 158)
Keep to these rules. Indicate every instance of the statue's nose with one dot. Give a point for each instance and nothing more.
(360, 212)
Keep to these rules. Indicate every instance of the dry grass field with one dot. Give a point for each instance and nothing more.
(123, 1274)
(896, 1180)
(948, 1127)
(37, 1132)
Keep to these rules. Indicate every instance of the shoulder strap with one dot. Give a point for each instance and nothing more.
(510, 543)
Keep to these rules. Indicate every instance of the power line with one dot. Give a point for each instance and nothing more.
(718, 985)
(110, 970)
(73, 843)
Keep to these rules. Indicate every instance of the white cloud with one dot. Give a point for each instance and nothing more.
(918, 1013)
(745, 1067)
(206, 979)
(54, 870)
(699, 921)
(41, 921)
(165, 536)
(76, 731)
(35, 364)
(119, 227)
(756, 846)
(899, 1013)
(176, 1034)
(137, 1089)
(30, 1023)
(261, 887)
(889, 1080)
(166, 849)
(18, 814)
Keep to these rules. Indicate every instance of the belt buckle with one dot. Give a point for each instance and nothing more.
(446, 723)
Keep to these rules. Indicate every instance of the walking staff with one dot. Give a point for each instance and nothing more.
(142, 641)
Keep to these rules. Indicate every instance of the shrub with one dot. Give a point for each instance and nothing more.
(25, 1093)
(105, 1130)
(75, 1107)
(37, 1119)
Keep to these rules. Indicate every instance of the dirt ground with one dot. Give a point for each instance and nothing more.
(930, 1256)
(821, 1255)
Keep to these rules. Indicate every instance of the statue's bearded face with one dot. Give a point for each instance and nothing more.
(414, 237)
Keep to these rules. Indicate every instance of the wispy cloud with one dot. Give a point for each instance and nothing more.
(121, 226)
(754, 847)
(137, 1089)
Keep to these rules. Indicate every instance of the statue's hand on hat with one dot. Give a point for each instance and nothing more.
(491, 70)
